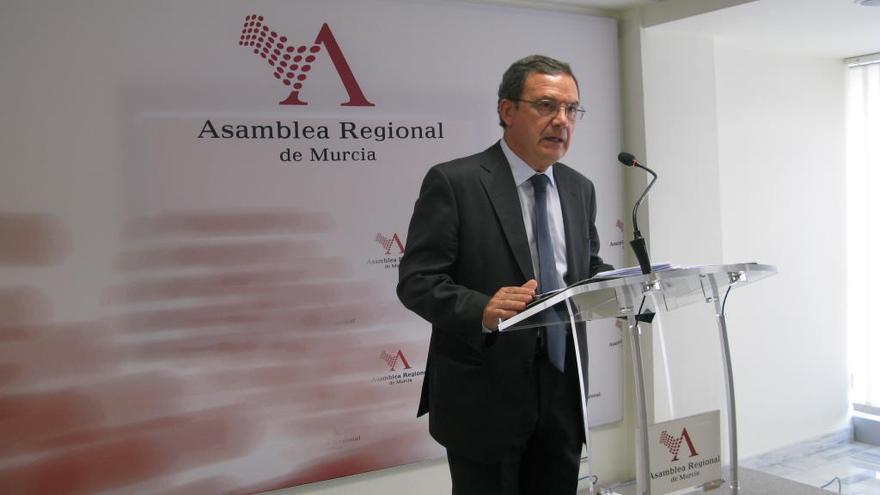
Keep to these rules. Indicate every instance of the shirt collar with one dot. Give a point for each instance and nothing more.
(521, 170)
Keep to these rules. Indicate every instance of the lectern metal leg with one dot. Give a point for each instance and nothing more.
(728, 382)
(643, 484)
(579, 337)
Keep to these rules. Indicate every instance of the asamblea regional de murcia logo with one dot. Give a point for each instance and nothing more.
(674, 443)
(292, 63)
(389, 242)
(392, 360)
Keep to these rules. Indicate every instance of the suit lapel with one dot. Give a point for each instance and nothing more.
(497, 180)
(575, 224)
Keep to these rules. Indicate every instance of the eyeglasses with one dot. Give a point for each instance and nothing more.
(548, 107)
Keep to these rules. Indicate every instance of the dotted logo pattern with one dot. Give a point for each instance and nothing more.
(388, 242)
(292, 63)
(671, 443)
(392, 359)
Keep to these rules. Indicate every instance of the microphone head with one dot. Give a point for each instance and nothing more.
(627, 159)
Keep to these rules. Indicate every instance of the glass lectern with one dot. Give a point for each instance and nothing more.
(626, 297)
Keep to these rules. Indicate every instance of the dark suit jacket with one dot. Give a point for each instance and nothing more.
(466, 240)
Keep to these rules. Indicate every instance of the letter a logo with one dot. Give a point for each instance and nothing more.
(393, 359)
(387, 243)
(674, 443)
(292, 63)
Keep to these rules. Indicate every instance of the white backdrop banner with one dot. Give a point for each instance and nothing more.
(265, 157)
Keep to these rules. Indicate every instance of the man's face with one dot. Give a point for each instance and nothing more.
(540, 140)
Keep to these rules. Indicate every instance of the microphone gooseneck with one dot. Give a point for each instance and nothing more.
(638, 243)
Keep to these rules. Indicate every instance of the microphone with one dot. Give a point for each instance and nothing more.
(638, 242)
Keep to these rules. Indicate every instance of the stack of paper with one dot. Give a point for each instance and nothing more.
(633, 270)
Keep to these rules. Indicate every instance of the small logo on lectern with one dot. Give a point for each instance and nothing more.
(674, 443)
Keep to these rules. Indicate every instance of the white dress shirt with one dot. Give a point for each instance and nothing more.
(521, 175)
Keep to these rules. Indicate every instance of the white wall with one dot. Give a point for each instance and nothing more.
(782, 151)
(750, 150)
(685, 217)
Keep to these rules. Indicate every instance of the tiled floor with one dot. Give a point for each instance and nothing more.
(818, 462)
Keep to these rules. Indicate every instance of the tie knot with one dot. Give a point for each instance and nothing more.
(539, 182)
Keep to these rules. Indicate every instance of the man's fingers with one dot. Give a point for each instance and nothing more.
(491, 317)
(512, 298)
(516, 290)
(515, 298)
(516, 302)
(508, 302)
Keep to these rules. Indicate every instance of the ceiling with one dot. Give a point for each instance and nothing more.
(828, 28)
(601, 7)
(601, 4)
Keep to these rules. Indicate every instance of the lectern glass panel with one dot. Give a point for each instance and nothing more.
(637, 299)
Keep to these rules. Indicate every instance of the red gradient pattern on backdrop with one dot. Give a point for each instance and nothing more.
(234, 356)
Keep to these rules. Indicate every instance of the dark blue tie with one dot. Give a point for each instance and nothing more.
(548, 278)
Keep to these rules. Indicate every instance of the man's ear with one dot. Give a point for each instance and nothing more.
(505, 110)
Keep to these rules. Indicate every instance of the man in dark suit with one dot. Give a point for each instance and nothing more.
(506, 406)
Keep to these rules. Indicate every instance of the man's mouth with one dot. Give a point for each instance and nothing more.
(554, 139)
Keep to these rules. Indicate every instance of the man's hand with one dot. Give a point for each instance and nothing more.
(507, 302)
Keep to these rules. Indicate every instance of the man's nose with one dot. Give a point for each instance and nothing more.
(561, 116)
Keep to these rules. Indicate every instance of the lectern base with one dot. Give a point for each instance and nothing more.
(754, 483)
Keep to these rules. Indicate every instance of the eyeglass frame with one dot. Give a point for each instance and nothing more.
(570, 108)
